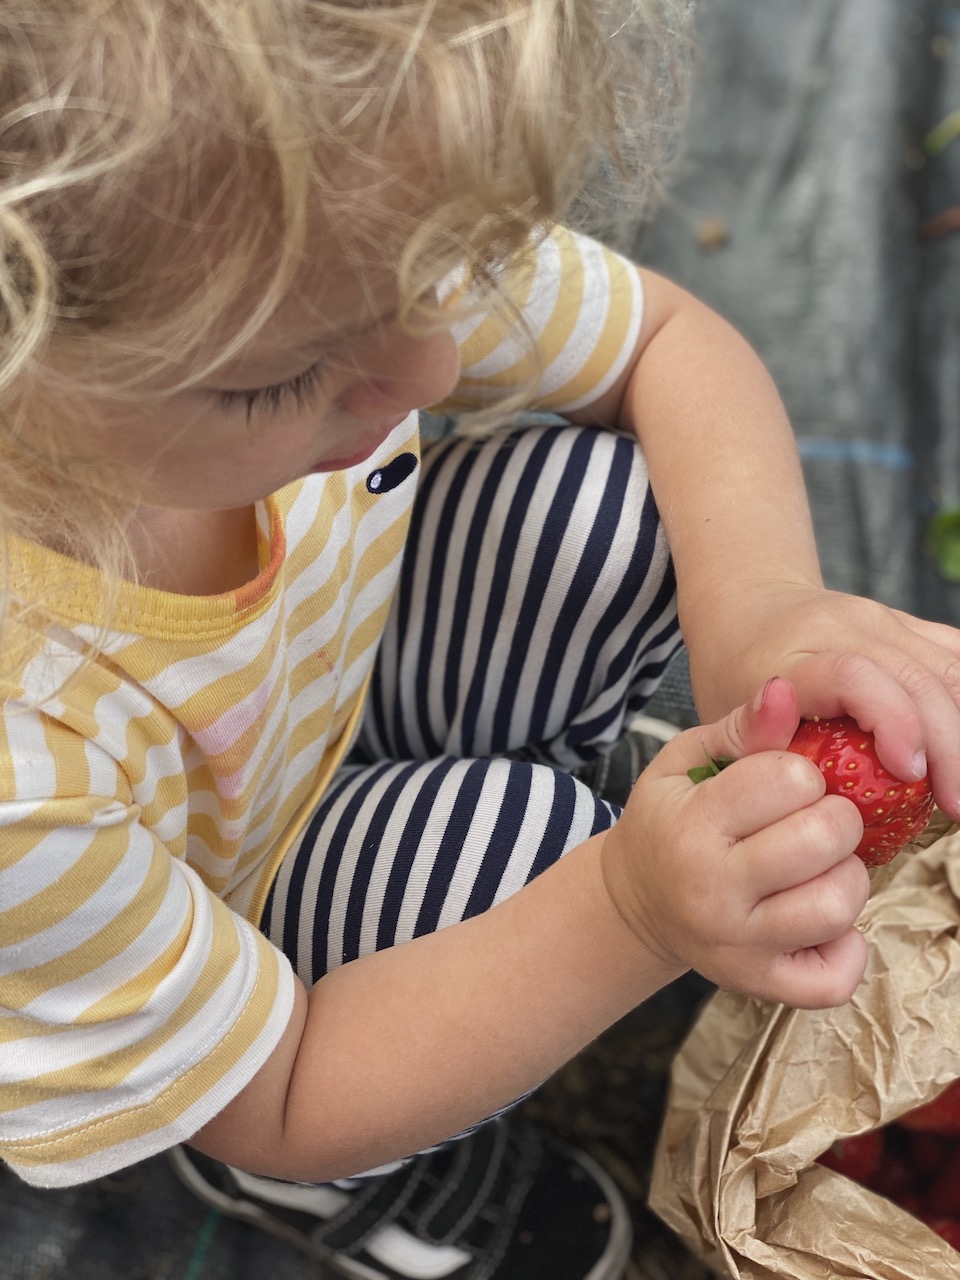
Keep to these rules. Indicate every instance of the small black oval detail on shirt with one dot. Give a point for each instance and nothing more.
(393, 474)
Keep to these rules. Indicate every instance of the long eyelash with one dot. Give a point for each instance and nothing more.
(272, 399)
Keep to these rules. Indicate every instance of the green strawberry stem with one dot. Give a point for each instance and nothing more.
(708, 770)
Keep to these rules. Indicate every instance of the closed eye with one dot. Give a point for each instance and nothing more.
(299, 390)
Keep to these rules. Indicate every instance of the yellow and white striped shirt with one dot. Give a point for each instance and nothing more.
(147, 802)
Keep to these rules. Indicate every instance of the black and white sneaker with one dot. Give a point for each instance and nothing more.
(505, 1203)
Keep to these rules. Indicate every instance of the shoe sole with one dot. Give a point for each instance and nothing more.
(613, 1262)
(609, 1266)
(253, 1215)
(661, 729)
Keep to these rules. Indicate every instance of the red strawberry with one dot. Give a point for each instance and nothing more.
(858, 1158)
(893, 812)
(896, 1178)
(942, 1197)
(911, 1202)
(929, 1152)
(942, 1115)
(947, 1228)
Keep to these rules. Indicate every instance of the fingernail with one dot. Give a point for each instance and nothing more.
(918, 765)
(760, 701)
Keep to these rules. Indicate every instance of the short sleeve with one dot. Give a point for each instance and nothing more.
(134, 1004)
(577, 310)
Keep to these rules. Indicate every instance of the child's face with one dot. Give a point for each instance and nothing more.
(308, 394)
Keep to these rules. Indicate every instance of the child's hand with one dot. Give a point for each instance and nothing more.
(749, 878)
(898, 676)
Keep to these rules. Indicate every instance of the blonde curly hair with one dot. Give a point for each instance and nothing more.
(132, 131)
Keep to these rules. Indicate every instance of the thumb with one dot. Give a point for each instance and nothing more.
(766, 724)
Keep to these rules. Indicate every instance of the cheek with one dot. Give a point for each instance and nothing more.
(190, 450)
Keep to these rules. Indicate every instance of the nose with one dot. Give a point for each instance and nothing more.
(406, 372)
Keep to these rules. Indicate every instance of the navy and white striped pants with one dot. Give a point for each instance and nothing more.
(536, 612)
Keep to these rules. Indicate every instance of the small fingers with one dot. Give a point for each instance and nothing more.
(877, 696)
(817, 911)
(907, 695)
(801, 846)
(936, 697)
(916, 725)
(820, 977)
(757, 792)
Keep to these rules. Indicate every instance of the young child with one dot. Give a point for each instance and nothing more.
(294, 867)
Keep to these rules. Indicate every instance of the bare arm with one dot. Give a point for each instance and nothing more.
(405, 1047)
(730, 490)
(749, 879)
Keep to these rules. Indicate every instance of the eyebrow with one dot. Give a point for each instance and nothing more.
(328, 343)
(311, 351)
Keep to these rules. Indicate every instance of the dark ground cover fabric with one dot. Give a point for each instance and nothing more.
(804, 207)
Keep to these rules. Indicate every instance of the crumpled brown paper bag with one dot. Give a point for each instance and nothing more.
(758, 1091)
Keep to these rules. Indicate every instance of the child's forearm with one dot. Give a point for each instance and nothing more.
(730, 490)
(406, 1047)
(749, 879)
(725, 473)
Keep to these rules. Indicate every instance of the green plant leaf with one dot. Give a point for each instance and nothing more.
(941, 135)
(943, 541)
